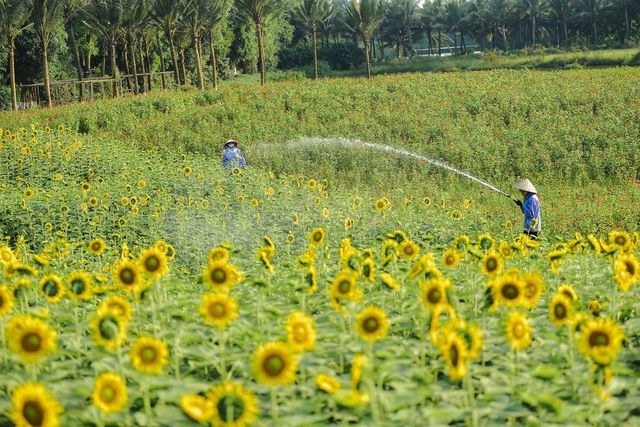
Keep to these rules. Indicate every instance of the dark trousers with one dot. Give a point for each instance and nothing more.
(532, 234)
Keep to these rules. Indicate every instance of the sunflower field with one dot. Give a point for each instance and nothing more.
(142, 284)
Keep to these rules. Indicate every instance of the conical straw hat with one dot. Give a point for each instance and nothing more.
(525, 185)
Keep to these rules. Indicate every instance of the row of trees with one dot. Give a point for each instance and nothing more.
(134, 34)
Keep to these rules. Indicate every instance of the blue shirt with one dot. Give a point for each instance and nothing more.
(531, 210)
(233, 158)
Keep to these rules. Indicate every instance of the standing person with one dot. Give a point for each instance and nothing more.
(530, 207)
(232, 157)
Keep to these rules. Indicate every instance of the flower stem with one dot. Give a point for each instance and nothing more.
(274, 407)
(147, 400)
(472, 399)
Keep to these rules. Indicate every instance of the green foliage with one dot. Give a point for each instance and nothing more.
(340, 56)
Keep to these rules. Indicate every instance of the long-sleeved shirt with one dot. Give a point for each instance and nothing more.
(531, 210)
(233, 158)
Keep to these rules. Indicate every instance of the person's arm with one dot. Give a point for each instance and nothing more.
(243, 159)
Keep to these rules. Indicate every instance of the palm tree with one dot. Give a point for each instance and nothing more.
(196, 23)
(401, 20)
(591, 11)
(453, 15)
(134, 23)
(168, 14)
(217, 13)
(260, 11)
(46, 15)
(70, 13)
(534, 9)
(13, 21)
(560, 11)
(364, 17)
(312, 13)
(108, 17)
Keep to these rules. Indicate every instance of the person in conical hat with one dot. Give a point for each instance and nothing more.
(232, 157)
(530, 207)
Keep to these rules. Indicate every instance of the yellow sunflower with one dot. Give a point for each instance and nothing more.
(33, 405)
(108, 328)
(218, 309)
(301, 332)
(109, 393)
(149, 355)
(127, 276)
(507, 290)
(327, 383)
(518, 331)
(221, 275)
(344, 287)
(492, 263)
(398, 235)
(30, 337)
(381, 204)
(198, 408)
(452, 349)
(80, 286)
(471, 333)
(218, 254)
(316, 237)
(311, 279)
(359, 362)
(153, 263)
(506, 250)
(594, 244)
(626, 270)
(369, 270)
(462, 243)
(274, 364)
(533, 288)
(372, 324)
(568, 291)
(233, 405)
(96, 246)
(486, 241)
(6, 255)
(409, 250)
(433, 292)
(117, 306)
(560, 310)
(390, 249)
(52, 288)
(621, 239)
(450, 258)
(601, 340)
(6, 301)
(390, 281)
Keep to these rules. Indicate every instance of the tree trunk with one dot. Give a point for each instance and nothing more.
(439, 42)
(76, 55)
(196, 49)
(493, 37)
(214, 62)
(566, 32)
(558, 35)
(114, 67)
(126, 63)
(174, 58)
(455, 43)
(45, 61)
(104, 61)
(595, 32)
(261, 58)
(314, 32)
(463, 46)
(429, 37)
(365, 40)
(505, 40)
(183, 66)
(147, 55)
(164, 83)
(136, 86)
(533, 30)
(12, 73)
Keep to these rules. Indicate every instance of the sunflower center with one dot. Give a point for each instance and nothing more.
(518, 330)
(217, 310)
(50, 288)
(366, 270)
(108, 394)
(598, 339)
(96, 246)
(31, 342)
(300, 333)
(620, 240)
(127, 276)
(78, 286)
(568, 294)
(218, 276)
(370, 324)
(317, 236)
(510, 291)
(434, 296)
(273, 365)
(560, 311)
(230, 408)
(344, 287)
(450, 260)
(148, 354)
(152, 263)
(408, 250)
(108, 327)
(631, 269)
(491, 264)
(1, 301)
(485, 243)
(454, 355)
(33, 413)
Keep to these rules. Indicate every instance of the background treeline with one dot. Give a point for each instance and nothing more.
(201, 41)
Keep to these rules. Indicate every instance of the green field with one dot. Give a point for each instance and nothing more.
(440, 257)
